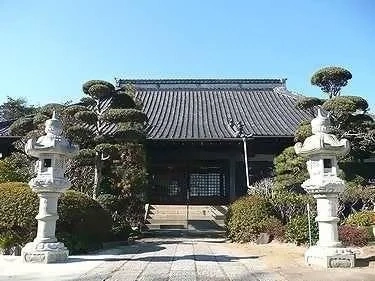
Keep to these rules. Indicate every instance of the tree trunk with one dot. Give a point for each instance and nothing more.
(97, 177)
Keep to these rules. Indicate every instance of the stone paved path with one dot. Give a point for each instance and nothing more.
(181, 259)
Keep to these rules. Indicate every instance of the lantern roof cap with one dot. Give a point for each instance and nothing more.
(53, 142)
(322, 141)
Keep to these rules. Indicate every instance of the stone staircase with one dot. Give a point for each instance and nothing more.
(183, 219)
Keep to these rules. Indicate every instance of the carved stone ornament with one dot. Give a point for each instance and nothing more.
(321, 150)
(52, 151)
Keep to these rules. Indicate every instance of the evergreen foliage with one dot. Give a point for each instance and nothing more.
(15, 168)
(83, 224)
(290, 170)
(77, 225)
(362, 218)
(13, 109)
(107, 163)
(303, 131)
(289, 204)
(331, 79)
(93, 122)
(308, 102)
(247, 217)
(297, 230)
(348, 114)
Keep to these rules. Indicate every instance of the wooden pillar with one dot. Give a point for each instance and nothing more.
(232, 179)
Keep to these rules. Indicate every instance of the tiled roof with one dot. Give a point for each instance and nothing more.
(201, 109)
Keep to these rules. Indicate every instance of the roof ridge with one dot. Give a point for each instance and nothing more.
(202, 81)
(200, 89)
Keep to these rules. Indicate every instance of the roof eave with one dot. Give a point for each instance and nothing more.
(215, 139)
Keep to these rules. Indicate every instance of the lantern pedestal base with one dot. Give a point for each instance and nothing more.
(330, 257)
(39, 252)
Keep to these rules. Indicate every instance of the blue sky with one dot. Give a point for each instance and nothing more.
(49, 48)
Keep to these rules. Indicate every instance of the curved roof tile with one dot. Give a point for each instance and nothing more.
(200, 109)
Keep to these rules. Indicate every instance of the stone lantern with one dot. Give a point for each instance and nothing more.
(321, 150)
(52, 151)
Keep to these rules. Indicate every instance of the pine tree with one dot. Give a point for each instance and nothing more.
(105, 122)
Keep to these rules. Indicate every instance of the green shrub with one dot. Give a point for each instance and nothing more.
(362, 218)
(18, 208)
(109, 202)
(247, 217)
(120, 227)
(353, 235)
(290, 170)
(297, 230)
(17, 167)
(290, 204)
(82, 225)
(274, 228)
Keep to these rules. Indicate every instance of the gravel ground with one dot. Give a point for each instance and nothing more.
(288, 261)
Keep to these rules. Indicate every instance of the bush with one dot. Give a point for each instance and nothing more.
(18, 208)
(274, 228)
(17, 167)
(355, 198)
(262, 188)
(109, 202)
(7, 241)
(290, 170)
(120, 227)
(247, 217)
(362, 218)
(297, 230)
(290, 204)
(82, 223)
(353, 236)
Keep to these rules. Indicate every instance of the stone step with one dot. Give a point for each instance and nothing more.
(220, 209)
(173, 217)
(183, 233)
(192, 211)
(184, 217)
(197, 225)
(207, 223)
(166, 222)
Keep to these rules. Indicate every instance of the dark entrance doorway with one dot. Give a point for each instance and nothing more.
(200, 183)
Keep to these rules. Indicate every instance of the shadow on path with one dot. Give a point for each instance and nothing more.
(364, 262)
(139, 247)
(212, 258)
(136, 248)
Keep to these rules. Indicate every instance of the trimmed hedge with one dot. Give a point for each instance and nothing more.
(87, 116)
(353, 235)
(297, 230)
(362, 218)
(124, 115)
(123, 100)
(247, 217)
(98, 88)
(274, 228)
(18, 208)
(82, 225)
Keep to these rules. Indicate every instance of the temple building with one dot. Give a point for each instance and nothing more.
(199, 130)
